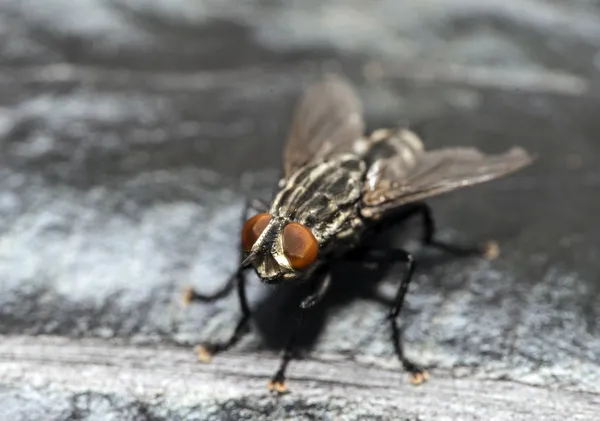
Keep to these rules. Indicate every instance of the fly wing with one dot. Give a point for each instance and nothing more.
(327, 121)
(401, 171)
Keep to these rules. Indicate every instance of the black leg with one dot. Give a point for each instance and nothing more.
(205, 351)
(489, 250)
(417, 374)
(190, 295)
(321, 289)
(277, 383)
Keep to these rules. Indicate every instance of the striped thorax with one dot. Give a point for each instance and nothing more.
(321, 197)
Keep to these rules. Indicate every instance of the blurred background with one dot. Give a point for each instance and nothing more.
(132, 131)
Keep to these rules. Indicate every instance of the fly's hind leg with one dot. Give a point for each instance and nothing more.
(489, 250)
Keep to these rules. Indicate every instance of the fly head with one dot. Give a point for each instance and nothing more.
(278, 249)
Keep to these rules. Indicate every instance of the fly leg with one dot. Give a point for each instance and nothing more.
(190, 295)
(205, 351)
(277, 383)
(416, 372)
(489, 250)
(321, 289)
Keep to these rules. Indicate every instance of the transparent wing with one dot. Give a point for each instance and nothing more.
(327, 121)
(401, 171)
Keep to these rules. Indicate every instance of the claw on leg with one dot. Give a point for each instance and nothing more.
(491, 250)
(278, 385)
(187, 296)
(418, 377)
(203, 354)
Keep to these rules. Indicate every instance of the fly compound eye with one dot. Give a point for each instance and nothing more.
(253, 228)
(299, 245)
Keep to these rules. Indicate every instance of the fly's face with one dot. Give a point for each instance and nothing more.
(279, 249)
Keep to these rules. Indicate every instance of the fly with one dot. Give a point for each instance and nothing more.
(339, 186)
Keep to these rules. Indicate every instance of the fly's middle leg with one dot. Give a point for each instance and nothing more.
(417, 373)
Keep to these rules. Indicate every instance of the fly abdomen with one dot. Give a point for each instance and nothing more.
(401, 145)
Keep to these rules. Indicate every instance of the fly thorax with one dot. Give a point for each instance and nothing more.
(323, 196)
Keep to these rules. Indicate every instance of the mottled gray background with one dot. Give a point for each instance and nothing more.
(131, 131)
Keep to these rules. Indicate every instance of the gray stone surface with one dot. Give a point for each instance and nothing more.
(91, 379)
(131, 131)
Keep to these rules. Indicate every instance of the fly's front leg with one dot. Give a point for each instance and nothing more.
(277, 383)
(320, 291)
(190, 294)
(204, 352)
(490, 250)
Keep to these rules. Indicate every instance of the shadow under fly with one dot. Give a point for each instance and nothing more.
(340, 189)
(350, 280)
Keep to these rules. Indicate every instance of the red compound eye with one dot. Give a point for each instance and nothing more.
(253, 228)
(299, 245)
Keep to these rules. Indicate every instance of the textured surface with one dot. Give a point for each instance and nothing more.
(129, 136)
(102, 380)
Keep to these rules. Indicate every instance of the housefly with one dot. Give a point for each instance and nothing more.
(339, 186)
